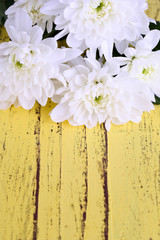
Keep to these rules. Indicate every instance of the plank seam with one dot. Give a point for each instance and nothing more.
(37, 134)
(105, 187)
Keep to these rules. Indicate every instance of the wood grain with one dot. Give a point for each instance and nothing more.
(73, 181)
(18, 168)
(60, 182)
(134, 179)
(154, 9)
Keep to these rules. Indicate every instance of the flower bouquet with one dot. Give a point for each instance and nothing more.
(99, 60)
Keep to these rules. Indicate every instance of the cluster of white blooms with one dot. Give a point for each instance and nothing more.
(28, 63)
(88, 81)
(96, 93)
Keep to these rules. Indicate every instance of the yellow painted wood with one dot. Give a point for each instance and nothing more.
(154, 9)
(72, 181)
(57, 182)
(50, 177)
(18, 154)
(134, 179)
(3, 35)
(97, 210)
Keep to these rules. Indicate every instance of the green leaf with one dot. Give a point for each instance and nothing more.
(2, 11)
(157, 101)
(51, 34)
(154, 26)
(116, 53)
(8, 3)
(4, 5)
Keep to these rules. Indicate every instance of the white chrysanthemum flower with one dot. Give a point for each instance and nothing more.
(33, 8)
(143, 63)
(94, 95)
(95, 23)
(27, 63)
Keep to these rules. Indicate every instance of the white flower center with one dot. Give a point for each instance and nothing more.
(100, 100)
(100, 9)
(22, 60)
(98, 96)
(143, 69)
(147, 73)
(35, 14)
(18, 65)
(22, 63)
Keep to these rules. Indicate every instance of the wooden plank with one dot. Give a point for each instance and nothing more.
(154, 9)
(134, 167)
(3, 35)
(98, 206)
(50, 176)
(18, 167)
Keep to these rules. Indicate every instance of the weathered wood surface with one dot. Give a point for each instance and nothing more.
(59, 182)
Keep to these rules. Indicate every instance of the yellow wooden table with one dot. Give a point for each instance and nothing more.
(59, 182)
